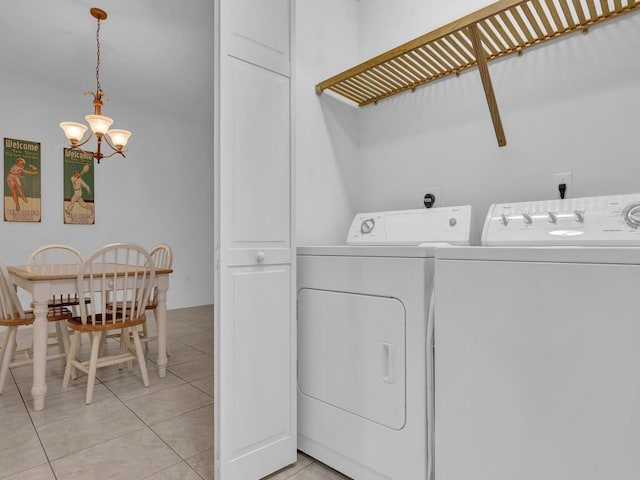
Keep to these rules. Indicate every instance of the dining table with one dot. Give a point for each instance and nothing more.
(45, 281)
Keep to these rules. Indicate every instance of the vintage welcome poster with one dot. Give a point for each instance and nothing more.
(79, 206)
(22, 198)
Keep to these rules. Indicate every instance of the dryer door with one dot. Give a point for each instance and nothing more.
(351, 353)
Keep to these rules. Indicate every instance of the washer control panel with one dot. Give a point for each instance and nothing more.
(412, 227)
(599, 221)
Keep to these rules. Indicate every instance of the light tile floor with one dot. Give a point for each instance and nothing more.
(129, 432)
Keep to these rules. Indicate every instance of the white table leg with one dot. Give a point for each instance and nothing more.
(161, 319)
(40, 339)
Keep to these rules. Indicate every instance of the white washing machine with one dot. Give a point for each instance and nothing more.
(364, 346)
(537, 344)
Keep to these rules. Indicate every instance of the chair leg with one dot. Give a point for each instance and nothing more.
(140, 356)
(63, 341)
(125, 345)
(71, 355)
(103, 341)
(15, 348)
(145, 333)
(93, 367)
(66, 341)
(8, 346)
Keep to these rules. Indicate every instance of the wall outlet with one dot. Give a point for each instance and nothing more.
(435, 191)
(567, 179)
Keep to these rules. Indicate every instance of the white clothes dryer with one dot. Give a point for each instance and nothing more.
(537, 335)
(364, 343)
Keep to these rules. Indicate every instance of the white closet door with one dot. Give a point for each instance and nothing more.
(255, 330)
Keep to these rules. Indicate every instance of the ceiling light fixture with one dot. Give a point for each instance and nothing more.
(115, 138)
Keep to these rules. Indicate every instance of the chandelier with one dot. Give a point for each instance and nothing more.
(116, 139)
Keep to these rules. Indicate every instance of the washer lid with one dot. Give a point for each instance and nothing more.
(551, 254)
(425, 250)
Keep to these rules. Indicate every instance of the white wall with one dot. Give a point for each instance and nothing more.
(569, 105)
(326, 144)
(162, 191)
(384, 25)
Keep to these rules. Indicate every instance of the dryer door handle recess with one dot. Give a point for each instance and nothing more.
(388, 363)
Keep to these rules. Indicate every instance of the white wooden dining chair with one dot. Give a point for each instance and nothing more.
(162, 258)
(57, 254)
(12, 316)
(120, 272)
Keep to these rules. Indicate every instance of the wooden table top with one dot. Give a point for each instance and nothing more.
(62, 272)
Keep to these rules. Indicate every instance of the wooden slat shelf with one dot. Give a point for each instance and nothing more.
(494, 31)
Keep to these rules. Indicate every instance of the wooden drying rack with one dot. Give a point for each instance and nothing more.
(499, 29)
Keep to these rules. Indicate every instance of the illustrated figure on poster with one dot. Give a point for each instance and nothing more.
(78, 185)
(14, 180)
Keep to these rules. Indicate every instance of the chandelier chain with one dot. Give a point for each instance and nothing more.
(98, 58)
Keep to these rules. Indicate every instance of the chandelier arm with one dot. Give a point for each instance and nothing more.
(82, 143)
(112, 154)
(77, 147)
(106, 138)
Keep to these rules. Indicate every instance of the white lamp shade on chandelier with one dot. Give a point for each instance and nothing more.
(99, 124)
(119, 137)
(74, 131)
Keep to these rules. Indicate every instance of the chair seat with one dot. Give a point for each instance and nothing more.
(53, 315)
(75, 323)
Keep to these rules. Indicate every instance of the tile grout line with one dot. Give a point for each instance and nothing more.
(148, 427)
(35, 429)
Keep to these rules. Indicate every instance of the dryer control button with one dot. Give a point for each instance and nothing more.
(579, 214)
(504, 219)
(452, 222)
(527, 218)
(553, 218)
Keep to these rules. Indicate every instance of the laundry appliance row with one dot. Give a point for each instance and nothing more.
(523, 366)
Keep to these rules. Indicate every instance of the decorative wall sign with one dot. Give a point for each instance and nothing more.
(79, 206)
(22, 197)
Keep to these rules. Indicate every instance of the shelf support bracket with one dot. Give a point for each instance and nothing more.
(481, 60)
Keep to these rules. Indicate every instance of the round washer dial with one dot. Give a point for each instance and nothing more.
(367, 226)
(631, 214)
